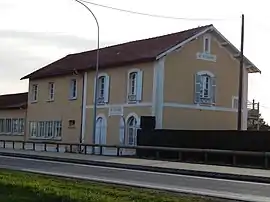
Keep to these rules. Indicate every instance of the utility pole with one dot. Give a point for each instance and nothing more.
(258, 118)
(240, 91)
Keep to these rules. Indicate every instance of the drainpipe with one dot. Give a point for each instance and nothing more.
(83, 111)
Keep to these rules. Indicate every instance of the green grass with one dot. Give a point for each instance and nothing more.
(27, 187)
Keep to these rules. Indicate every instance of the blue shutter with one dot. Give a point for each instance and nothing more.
(197, 88)
(107, 89)
(214, 90)
(139, 86)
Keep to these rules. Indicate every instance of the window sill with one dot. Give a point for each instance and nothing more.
(11, 134)
(44, 138)
(73, 98)
(52, 100)
(132, 101)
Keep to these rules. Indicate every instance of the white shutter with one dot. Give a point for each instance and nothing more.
(139, 85)
(122, 132)
(198, 87)
(107, 89)
(94, 90)
(214, 90)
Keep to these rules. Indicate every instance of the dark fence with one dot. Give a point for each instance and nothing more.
(210, 140)
(207, 139)
(234, 158)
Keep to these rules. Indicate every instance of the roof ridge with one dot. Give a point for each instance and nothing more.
(150, 38)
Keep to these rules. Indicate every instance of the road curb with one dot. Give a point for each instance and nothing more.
(145, 168)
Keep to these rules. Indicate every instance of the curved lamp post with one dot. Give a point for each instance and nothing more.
(96, 75)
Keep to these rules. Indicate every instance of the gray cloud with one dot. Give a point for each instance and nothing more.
(60, 40)
(18, 53)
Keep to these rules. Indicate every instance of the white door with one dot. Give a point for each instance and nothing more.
(100, 134)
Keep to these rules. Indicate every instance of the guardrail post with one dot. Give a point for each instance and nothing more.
(157, 154)
(85, 149)
(4, 144)
(57, 147)
(234, 160)
(45, 147)
(34, 146)
(23, 145)
(118, 151)
(13, 144)
(100, 150)
(205, 157)
(180, 156)
(70, 148)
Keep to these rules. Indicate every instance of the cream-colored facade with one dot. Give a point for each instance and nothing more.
(61, 110)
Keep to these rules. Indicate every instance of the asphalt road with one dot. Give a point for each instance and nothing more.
(246, 191)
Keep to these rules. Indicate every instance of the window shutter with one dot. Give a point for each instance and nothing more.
(197, 88)
(122, 132)
(107, 89)
(70, 89)
(94, 90)
(214, 90)
(139, 86)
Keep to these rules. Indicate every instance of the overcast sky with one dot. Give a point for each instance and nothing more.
(34, 33)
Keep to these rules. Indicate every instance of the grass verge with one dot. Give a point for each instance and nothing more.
(27, 187)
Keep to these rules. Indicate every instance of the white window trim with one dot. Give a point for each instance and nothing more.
(106, 88)
(11, 132)
(32, 95)
(71, 97)
(233, 100)
(207, 36)
(205, 72)
(201, 73)
(50, 99)
(126, 123)
(45, 131)
(128, 83)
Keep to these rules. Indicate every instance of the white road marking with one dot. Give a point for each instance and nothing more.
(202, 192)
(137, 171)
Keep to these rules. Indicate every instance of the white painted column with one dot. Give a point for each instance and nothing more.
(158, 92)
(84, 106)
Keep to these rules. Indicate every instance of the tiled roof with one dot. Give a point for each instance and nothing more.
(118, 55)
(13, 101)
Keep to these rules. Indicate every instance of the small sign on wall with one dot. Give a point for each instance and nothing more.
(206, 56)
(116, 111)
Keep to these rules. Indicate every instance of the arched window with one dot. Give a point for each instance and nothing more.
(205, 88)
(132, 126)
(134, 85)
(103, 89)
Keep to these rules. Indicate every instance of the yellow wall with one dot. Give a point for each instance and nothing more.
(62, 108)
(179, 74)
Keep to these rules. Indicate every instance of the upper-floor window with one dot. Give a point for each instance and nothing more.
(103, 89)
(51, 91)
(205, 88)
(207, 44)
(134, 86)
(34, 93)
(73, 89)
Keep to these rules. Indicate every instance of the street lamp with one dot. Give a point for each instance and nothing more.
(96, 75)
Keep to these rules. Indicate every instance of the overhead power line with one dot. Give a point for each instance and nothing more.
(154, 15)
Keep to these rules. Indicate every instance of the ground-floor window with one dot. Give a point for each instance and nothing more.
(132, 126)
(13, 126)
(45, 129)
